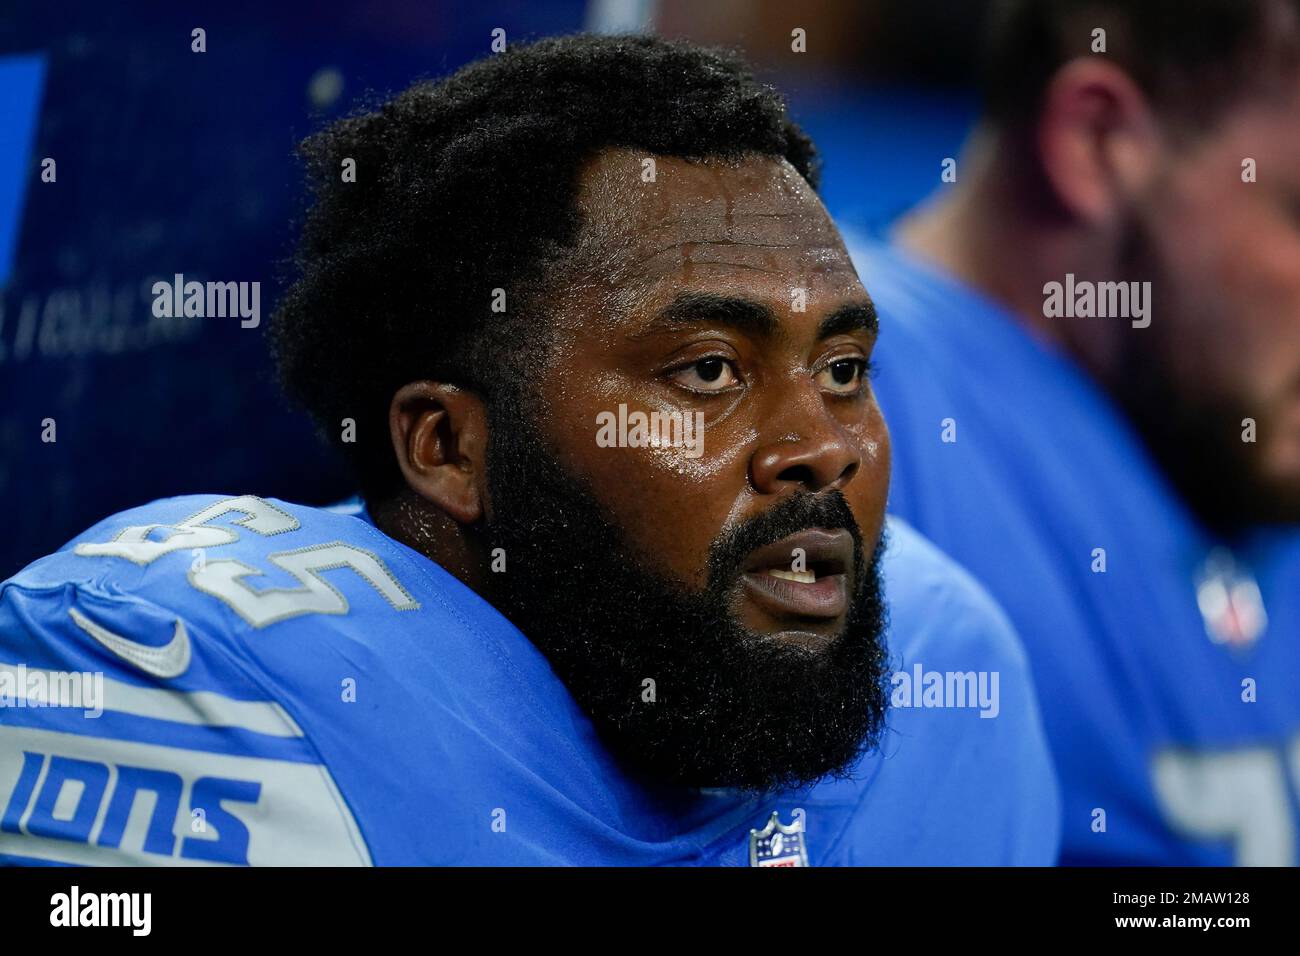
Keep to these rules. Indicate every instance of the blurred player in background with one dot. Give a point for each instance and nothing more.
(547, 638)
(1090, 362)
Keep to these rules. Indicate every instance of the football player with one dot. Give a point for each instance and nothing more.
(1090, 362)
(616, 590)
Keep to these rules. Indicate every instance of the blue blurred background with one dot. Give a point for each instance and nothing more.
(170, 161)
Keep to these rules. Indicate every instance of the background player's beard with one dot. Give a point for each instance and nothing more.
(1192, 431)
(729, 708)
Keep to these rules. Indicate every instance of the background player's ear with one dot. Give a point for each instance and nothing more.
(440, 435)
(1098, 140)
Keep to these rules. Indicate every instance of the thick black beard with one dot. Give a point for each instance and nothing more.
(730, 708)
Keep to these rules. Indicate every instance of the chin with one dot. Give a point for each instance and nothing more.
(813, 641)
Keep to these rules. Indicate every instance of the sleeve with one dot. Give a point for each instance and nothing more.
(128, 736)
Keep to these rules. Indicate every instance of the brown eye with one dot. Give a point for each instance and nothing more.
(712, 374)
(843, 376)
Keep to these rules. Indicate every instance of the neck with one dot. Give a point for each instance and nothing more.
(418, 524)
(1000, 230)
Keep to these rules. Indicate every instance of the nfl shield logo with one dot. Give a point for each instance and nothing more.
(777, 844)
(1230, 601)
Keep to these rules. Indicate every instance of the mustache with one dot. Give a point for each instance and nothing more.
(801, 512)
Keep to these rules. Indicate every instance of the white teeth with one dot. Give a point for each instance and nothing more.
(803, 577)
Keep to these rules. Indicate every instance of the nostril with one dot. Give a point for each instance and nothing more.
(798, 473)
(807, 476)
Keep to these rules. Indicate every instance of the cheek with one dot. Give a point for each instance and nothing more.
(868, 492)
(1262, 280)
(1233, 290)
(670, 501)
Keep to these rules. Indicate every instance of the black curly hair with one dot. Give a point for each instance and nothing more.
(467, 185)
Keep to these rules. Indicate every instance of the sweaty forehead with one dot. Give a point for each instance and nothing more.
(680, 217)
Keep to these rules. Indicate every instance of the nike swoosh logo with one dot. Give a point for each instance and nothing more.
(170, 660)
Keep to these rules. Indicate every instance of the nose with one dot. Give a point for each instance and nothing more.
(813, 451)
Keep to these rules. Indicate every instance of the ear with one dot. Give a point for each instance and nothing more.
(440, 435)
(1098, 139)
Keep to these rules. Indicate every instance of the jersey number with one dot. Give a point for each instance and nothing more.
(224, 578)
(1239, 795)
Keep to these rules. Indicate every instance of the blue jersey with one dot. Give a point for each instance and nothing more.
(1172, 711)
(287, 685)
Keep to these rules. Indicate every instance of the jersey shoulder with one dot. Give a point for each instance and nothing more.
(187, 590)
(139, 725)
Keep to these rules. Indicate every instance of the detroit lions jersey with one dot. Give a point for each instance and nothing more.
(232, 680)
(1167, 664)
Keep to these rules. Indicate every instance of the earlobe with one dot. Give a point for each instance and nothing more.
(1097, 140)
(439, 434)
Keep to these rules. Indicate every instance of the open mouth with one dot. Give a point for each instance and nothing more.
(804, 575)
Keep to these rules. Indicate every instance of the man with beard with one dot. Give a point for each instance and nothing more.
(526, 646)
(1128, 486)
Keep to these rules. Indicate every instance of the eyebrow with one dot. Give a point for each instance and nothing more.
(853, 317)
(710, 308)
(755, 318)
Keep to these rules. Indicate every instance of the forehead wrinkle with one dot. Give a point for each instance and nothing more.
(799, 227)
(670, 271)
(728, 223)
(716, 242)
(645, 277)
(807, 258)
(736, 214)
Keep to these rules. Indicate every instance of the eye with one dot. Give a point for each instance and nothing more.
(712, 374)
(843, 376)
